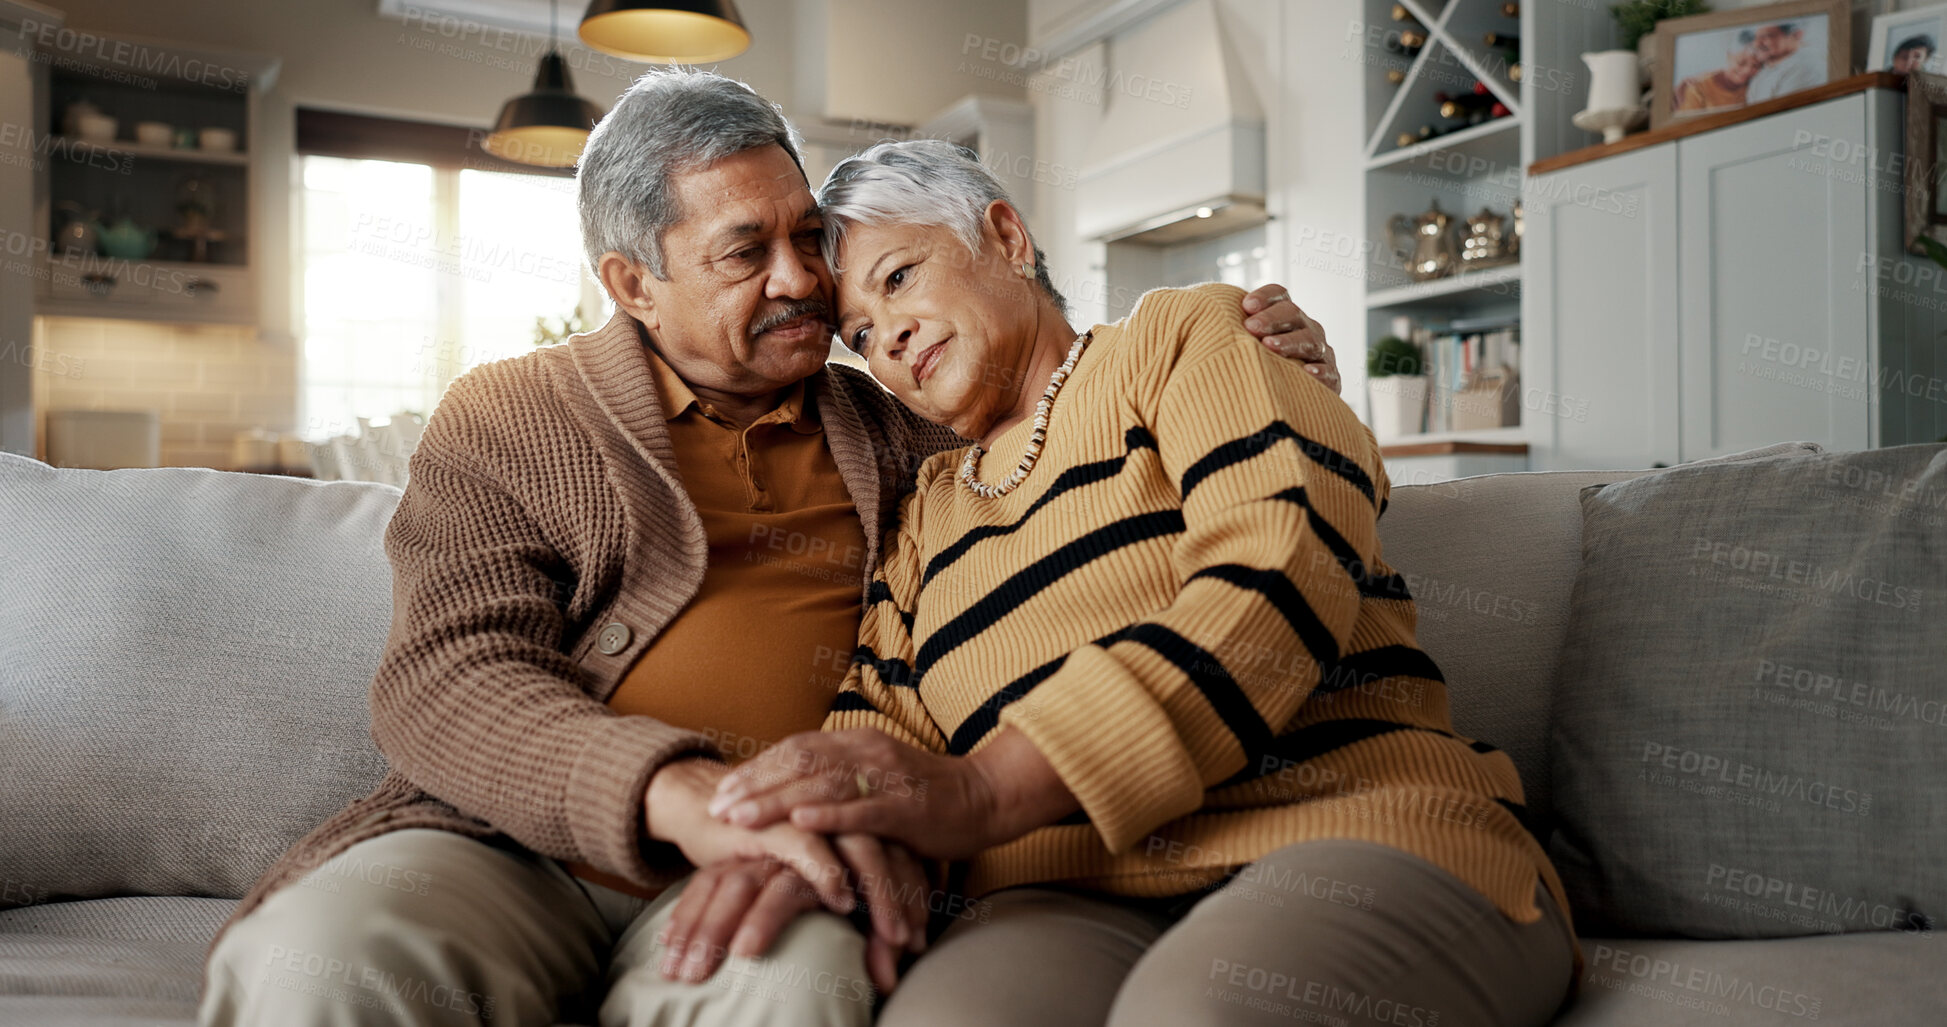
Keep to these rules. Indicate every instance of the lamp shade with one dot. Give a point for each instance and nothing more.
(666, 31)
(546, 126)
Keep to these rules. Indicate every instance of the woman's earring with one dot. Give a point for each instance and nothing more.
(1027, 269)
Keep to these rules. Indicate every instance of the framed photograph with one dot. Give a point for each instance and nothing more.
(1909, 41)
(1725, 60)
(1926, 134)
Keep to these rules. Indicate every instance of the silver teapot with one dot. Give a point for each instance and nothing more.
(1425, 243)
(1485, 242)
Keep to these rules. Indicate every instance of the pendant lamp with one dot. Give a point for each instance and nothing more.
(666, 31)
(548, 125)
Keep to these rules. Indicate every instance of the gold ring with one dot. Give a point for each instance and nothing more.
(864, 783)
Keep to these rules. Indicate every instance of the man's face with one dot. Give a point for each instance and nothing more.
(1911, 59)
(1774, 43)
(747, 305)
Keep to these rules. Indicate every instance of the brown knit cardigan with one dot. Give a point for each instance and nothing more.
(543, 507)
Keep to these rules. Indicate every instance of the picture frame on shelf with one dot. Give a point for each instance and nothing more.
(1726, 60)
(1926, 116)
(1907, 41)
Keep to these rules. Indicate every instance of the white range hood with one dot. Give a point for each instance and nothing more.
(1179, 154)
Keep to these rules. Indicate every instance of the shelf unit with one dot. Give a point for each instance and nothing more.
(1477, 167)
(187, 88)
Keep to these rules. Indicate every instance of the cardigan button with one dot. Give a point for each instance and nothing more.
(614, 638)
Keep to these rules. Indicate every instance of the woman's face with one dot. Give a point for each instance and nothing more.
(1744, 64)
(948, 331)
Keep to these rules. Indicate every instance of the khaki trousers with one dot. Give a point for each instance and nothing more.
(429, 927)
(1328, 932)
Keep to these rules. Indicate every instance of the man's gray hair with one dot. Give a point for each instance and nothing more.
(918, 182)
(668, 122)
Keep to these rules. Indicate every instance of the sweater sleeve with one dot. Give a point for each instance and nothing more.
(475, 702)
(879, 690)
(1276, 478)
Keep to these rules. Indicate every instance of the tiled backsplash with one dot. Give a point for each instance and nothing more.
(208, 382)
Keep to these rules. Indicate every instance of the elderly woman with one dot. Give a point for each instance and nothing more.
(1134, 663)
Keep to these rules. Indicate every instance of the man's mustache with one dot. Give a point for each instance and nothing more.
(811, 307)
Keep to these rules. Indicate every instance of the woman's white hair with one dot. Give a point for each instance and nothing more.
(669, 122)
(918, 182)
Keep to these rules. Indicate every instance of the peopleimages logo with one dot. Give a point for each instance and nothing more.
(1864, 695)
(1706, 767)
(1697, 981)
(1774, 567)
(1844, 911)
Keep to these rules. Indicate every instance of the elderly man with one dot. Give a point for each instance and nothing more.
(621, 563)
(1788, 67)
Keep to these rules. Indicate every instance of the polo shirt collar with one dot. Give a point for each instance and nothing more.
(794, 409)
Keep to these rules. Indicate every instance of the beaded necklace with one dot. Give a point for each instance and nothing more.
(1035, 438)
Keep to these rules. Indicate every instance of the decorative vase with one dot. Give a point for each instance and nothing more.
(1615, 94)
(1398, 405)
(1613, 80)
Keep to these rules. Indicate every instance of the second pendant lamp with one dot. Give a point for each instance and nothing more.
(548, 125)
(666, 31)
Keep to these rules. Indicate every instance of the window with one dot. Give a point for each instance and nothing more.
(413, 274)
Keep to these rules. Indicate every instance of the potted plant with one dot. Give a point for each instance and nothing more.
(546, 334)
(1638, 19)
(1396, 388)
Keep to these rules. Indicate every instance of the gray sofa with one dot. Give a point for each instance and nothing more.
(184, 655)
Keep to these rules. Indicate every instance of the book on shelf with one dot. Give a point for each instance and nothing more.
(1473, 375)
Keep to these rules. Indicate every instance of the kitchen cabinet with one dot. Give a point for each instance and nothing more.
(1602, 344)
(1771, 235)
(1729, 289)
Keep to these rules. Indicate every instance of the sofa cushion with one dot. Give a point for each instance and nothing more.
(183, 674)
(106, 961)
(1490, 561)
(1750, 738)
(1845, 979)
(131, 918)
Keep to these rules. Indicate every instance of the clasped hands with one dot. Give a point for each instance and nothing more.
(821, 819)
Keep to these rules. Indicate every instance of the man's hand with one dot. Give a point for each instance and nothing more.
(739, 907)
(1273, 318)
(676, 810)
(864, 781)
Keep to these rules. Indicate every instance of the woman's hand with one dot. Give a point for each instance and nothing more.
(1279, 324)
(739, 907)
(676, 810)
(864, 781)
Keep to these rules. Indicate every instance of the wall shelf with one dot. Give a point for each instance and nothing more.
(1503, 281)
(1463, 140)
(83, 149)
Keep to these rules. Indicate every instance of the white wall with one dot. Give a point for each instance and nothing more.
(902, 61)
(1292, 53)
